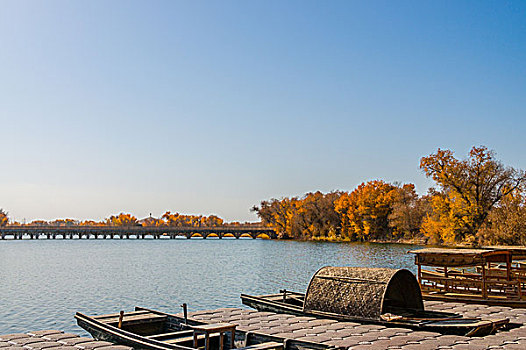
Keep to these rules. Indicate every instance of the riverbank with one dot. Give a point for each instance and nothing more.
(415, 241)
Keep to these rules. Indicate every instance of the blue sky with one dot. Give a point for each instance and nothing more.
(212, 106)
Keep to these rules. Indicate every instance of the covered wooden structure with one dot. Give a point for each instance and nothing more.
(483, 275)
(388, 297)
(362, 292)
(518, 256)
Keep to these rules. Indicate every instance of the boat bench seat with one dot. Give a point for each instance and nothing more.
(170, 335)
(134, 318)
(103, 318)
(178, 340)
(264, 346)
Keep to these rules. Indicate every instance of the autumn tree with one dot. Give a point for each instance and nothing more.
(152, 222)
(408, 211)
(64, 222)
(91, 223)
(446, 219)
(4, 219)
(180, 220)
(375, 210)
(212, 221)
(364, 212)
(171, 219)
(316, 216)
(470, 188)
(280, 215)
(122, 220)
(38, 223)
(506, 223)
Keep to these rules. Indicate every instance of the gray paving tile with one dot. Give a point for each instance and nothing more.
(419, 346)
(74, 341)
(7, 337)
(25, 341)
(43, 345)
(44, 332)
(56, 337)
(93, 345)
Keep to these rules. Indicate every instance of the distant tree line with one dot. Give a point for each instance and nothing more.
(477, 201)
(126, 219)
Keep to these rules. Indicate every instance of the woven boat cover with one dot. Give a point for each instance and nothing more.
(362, 292)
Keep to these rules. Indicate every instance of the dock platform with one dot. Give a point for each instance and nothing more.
(344, 335)
(357, 336)
(54, 340)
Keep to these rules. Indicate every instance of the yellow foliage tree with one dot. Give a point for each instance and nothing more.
(506, 223)
(122, 220)
(470, 189)
(4, 219)
(180, 220)
(365, 211)
(408, 211)
(280, 215)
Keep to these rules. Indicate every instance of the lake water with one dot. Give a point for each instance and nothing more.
(43, 283)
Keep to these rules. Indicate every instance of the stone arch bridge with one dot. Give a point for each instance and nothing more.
(138, 232)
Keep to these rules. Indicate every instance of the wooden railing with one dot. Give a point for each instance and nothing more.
(474, 284)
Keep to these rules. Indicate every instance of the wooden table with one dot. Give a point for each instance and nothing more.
(220, 328)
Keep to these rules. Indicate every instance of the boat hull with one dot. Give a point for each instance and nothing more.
(101, 331)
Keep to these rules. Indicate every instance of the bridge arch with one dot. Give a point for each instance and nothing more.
(137, 232)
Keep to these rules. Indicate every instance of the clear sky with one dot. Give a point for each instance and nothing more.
(209, 107)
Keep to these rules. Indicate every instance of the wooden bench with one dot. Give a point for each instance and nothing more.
(220, 328)
(132, 318)
(190, 338)
(103, 317)
(170, 335)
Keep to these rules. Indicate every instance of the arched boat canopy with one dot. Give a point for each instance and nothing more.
(362, 292)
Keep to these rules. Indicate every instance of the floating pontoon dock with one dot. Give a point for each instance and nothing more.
(357, 336)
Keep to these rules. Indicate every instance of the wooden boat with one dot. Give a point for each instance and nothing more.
(370, 295)
(155, 330)
(483, 276)
(518, 257)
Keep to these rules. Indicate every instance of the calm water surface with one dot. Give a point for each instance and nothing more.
(43, 283)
